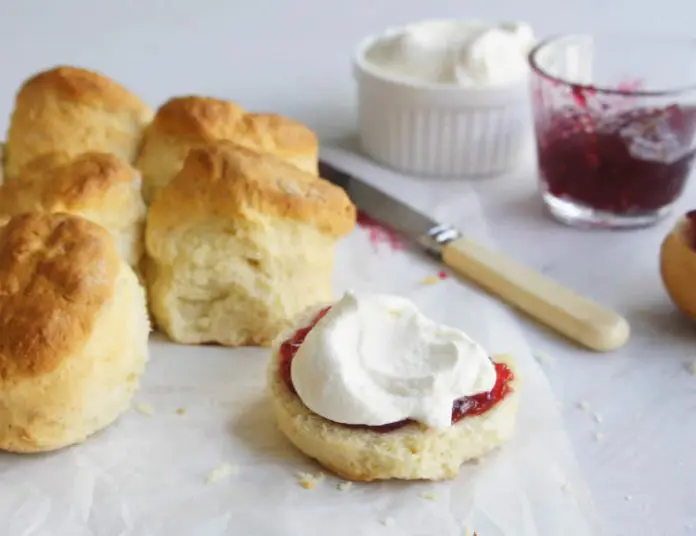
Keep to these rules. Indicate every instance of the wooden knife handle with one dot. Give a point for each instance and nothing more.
(552, 304)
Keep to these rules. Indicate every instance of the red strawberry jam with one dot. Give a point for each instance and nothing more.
(289, 348)
(623, 162)
(463, 407)
(691, 217)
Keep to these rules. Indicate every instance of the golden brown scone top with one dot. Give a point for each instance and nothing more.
(84, 86)
(56, 273)
(57, 182)
(227, 180)
(203, 117)
(275, 134)
(208, 119)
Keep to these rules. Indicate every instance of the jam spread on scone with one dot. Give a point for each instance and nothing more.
(464, 407)
(691, 218)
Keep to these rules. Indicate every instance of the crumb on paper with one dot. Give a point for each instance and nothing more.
(180, 411)
(308, 480)
(627, 498)
(221, 472)
(691, 367)
(599, 436)
(430, 280)
(584, 405)
(434, 278)
(598, 418)
(428, 496)
(344, 486)
(543, 358)
(144, 408)
(566, 488)
(388, 521)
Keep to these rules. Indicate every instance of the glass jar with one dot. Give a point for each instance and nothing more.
(615, 121)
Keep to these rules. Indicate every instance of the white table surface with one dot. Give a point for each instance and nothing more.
(293, 57)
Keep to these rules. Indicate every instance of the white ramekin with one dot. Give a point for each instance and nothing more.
(437, 129)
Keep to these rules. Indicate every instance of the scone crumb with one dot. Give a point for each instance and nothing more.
(584, 405)
(598, 418)
(543, 358)
(691, 367)
(430, 280)
(599, 436)
(346, 485)
(144, 408)
(221, 472)
(388, 521)
(429, 496)
(180, 411)
(628, 498)
(308, 480)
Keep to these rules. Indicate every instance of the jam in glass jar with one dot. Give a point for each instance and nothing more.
(615, 121)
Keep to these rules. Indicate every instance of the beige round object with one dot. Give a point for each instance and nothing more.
(73, 110)
(678, 265)
(98, 186)
(238, 243)
(73, 332)
(412, 452)
(186, 122)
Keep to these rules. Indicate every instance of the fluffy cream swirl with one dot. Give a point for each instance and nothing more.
(376, 359)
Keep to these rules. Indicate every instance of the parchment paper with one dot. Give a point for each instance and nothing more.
(147, 475)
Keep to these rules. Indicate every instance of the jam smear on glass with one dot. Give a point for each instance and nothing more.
(619, 161)
(461, 408)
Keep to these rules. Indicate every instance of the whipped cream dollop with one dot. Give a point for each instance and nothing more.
(464, 53)
(376, 359)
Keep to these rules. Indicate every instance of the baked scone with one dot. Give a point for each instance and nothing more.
(75, 111)
(238, 243)
(185, 122)
(73, 331)
(98, 186)
(678, 264)
(405, 449)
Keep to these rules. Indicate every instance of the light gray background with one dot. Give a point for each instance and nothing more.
(293, 57)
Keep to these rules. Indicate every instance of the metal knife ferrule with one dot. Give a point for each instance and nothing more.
(438, 237)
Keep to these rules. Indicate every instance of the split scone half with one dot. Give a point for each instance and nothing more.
(238, 244)
(678, 264)
(406, 449)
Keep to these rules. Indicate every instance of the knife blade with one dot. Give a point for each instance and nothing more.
(574, 316)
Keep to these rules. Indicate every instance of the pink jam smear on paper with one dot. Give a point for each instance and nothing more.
(379, 234)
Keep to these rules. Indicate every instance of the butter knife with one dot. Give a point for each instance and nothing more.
(576, 317)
